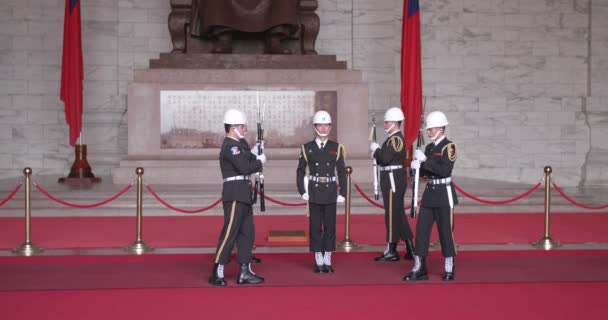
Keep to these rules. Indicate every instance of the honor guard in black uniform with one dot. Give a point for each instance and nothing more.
(237, 163)
(390, 157)
(246, 146)
(438, 199)
(325, 161)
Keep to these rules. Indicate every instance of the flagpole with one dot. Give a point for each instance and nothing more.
(72, 78)
(81, 171)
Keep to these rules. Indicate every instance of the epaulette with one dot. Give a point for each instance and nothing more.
(451, 150)
(340, 146)
(304, 154)
(397, 143)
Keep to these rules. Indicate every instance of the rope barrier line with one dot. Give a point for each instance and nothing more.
(372, 201)
(357, 187)
(367, 198)
(300, 204)
(166, 204)
(525, 194)
(574, 202)
(11, 195)
(83, 206)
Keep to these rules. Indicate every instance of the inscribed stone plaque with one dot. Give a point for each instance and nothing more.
(193, 119)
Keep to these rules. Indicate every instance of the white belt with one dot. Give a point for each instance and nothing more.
(391, 168)
(323, 179)
(236, 178)
(447, 180)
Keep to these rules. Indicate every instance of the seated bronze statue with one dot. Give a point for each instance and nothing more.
(214, 26)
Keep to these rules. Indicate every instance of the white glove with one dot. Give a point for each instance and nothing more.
(305, 196)
(373, 147)
(419, 155)
(340, 199)
(256, 148)
(261, 157)
(415, 165)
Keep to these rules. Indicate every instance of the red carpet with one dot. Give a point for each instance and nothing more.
(556, 301)
(202, 231)
(490, 285)
(292, 270)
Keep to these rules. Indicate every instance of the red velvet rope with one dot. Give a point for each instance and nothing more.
(83, 206)
(372, 201)
(368, 198)
(525, 194)
(11, 195)
(300, 204)
(166, 204)
(578, 204)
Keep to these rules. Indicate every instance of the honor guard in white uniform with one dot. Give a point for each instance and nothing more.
(438, 199)
(237, 163)
(325, 161)
(390, 157)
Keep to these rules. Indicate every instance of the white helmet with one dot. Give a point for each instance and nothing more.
(436, 119)
(321, 117)
(394, 114)
(234, 116)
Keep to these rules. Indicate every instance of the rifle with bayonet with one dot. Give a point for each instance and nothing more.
(375, 165)
(259, 178)
(417, 172)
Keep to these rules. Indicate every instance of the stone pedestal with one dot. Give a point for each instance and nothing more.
(201, 166)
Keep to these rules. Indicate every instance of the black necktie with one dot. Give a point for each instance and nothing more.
(322, 144)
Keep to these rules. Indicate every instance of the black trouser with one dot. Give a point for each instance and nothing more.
(444, 218)
(397, 226)
(322, 225)
(238, 227)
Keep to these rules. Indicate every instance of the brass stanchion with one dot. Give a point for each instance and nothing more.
(546, 242)
(27, 248)
(139, 246)
(347, 244)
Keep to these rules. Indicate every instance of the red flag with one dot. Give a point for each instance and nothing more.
(71, 69)
(411, 70)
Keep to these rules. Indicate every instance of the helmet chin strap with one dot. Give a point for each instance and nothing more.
(389, 128)
(433, 138)
(237, 132)
(322, 134)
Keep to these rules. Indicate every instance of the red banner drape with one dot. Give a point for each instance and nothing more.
(72, 69)
(411, 70)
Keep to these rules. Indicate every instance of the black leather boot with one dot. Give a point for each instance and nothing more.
(420, 274)
(390, 254)
(214, 279)
(449, 275)
(248, 277)
(318, 268)
(255, 259)
(409, 255)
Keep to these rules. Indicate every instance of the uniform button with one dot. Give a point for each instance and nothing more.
(316, 174)
(316, 185)
(316, 163)
(328, 164)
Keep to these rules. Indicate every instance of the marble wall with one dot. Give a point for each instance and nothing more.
(523, 82)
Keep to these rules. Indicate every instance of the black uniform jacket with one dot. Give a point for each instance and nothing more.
(322, 163)
(236, 159)
(439, 163)
(392, 153)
